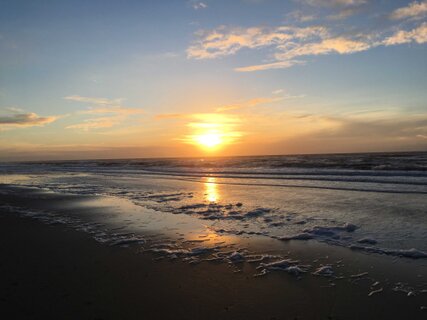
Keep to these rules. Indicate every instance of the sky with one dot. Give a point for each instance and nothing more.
(127, 79)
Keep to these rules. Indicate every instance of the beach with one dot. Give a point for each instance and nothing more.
(213, 159)
(54, 272)
(106, 242)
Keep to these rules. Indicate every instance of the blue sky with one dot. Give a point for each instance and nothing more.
(149, 78)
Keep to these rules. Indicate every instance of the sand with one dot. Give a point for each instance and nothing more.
(51, 271)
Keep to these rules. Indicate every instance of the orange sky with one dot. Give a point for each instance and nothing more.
(167, 79)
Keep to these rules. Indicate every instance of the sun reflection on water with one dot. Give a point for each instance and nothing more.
(211, 190)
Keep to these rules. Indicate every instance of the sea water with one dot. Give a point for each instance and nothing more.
(370, 202)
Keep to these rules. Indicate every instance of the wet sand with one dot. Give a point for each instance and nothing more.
(51, 271)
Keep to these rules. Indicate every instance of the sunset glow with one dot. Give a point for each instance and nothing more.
(209, 154)
(209, 140)
(212, 79)
(211, 132)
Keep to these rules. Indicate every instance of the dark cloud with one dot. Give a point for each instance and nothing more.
(361, 136)
(25, 120)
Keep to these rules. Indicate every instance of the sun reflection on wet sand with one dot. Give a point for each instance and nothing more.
(211, 190)
(209, 237)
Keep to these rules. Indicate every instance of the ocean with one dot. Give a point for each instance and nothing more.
(371, 202)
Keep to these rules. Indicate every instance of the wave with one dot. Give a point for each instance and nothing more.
(404, 161)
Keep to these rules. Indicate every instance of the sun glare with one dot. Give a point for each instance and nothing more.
(212, 132)
(211, 190)
(209, 140)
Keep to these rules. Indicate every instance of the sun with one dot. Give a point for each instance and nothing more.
(209, 140)
(212, 132)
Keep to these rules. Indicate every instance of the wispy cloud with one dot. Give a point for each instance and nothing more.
(344, 13)
(170, 116)
(97, 123)
(300, 16)
(341, 9)
(197, 5)
(278, 96)
(225, 41)
(273, 65)
(415, 10)
(249, 103)
(102, 106)
(333, 3)
(291, 45)
(96, 101)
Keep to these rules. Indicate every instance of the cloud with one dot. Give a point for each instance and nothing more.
(288, 44)
(339, 45)
(170, 116)
(418, 35)
(415, 10)
(249, 103)
(287, 41)
(342, 8)
(225, 41)
(234, 106)
(14, 110)
(97, 101)
(19, 120)
(333, 3)
(344, 13)
(300, 16)
(102, 106)
(96, 123)
(286, 54)
(273, 65)
(196, 5)
(317, 133)
(395, 127)
(113, 109)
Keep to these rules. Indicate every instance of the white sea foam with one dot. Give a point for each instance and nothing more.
(278, 265)
(375, 292)
(359, 275)
(326, 271)
(236, 257)
(288, 265)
